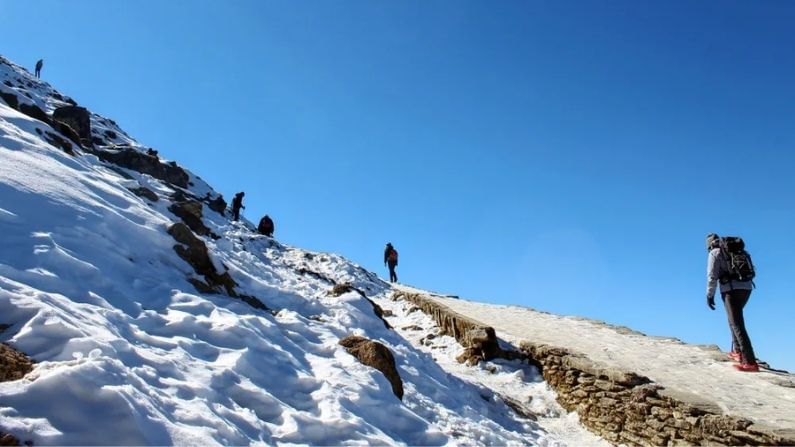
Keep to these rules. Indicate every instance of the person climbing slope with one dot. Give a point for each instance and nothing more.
(39, 64)
(391, 259)
(237, 204)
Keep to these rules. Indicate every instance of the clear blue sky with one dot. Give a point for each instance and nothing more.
(566, 156)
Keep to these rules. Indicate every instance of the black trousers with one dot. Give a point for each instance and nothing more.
(392, 274)
(734, 301)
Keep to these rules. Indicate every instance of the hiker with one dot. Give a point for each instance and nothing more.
(391, 259)
(266, 226)
(39, 64)
(237, 203)
(731, 265)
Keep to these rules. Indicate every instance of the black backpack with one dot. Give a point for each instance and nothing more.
(737, 259)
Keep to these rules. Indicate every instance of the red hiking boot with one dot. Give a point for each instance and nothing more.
(735, 356)
(747, 367)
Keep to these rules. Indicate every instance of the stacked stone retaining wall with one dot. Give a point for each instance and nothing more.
(621, 406)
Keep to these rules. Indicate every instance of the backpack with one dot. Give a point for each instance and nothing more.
(738, 261)
(392, 256)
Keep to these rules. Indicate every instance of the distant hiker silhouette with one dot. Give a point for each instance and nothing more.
(266, 226)
(729, 264)
(391, 259)
(237, 204)
(39, 64)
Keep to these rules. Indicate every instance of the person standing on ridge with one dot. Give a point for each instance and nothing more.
(39, 64)
(391, 259)
(729, 264)
(237, 204)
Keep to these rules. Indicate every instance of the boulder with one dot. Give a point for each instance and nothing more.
(130, 158)
(190, 211)
(10, 99)
(33, 111)
(145, 193)
(77, 119)
(375, 355)
(217, 204)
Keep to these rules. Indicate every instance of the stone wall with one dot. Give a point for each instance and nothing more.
(621, 406)
(479, 339)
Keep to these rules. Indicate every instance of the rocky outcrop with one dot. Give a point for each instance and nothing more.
(35, 112)
(56, 140)
(13, 364)
(479, 341)
(131, 158)
(375, 355)
(190, 211)
(194, 252)
(146, 193)
(627, 408)
(10, 99)
(217, 204)
(75, 119)
(9, 440)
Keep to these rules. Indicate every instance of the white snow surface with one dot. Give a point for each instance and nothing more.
(701, 373)
(128, 352)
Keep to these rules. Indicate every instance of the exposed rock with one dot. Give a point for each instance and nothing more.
(146, 193)
(341, 289)
(8, 440)
(33, 111)
(56, 140)
(375, 355)
(217, 204)
(111, 134)
(77, 119)
(10, 99)
(195, 253)
(130, 158)
(13, 364)
(191, 213)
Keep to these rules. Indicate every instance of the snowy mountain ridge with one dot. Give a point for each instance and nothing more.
(152, 318)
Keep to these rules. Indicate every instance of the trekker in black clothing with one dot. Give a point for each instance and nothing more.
(391, 259)
(237, 204)
(266, 226)
(39, 64)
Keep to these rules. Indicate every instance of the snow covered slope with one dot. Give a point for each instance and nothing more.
(127, 350)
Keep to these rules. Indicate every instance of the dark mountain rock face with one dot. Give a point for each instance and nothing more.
(130, 158)
(77, 119)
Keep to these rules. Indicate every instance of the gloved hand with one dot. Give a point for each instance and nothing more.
(711, 302)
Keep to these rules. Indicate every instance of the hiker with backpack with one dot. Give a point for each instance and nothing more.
(731, 266)
(391, 259)
(237, 204)
(39, 64)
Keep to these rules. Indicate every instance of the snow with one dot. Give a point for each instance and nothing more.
(699, 371)
(128, 352)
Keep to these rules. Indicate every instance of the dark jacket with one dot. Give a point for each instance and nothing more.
(266, 226)
(237, 202)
